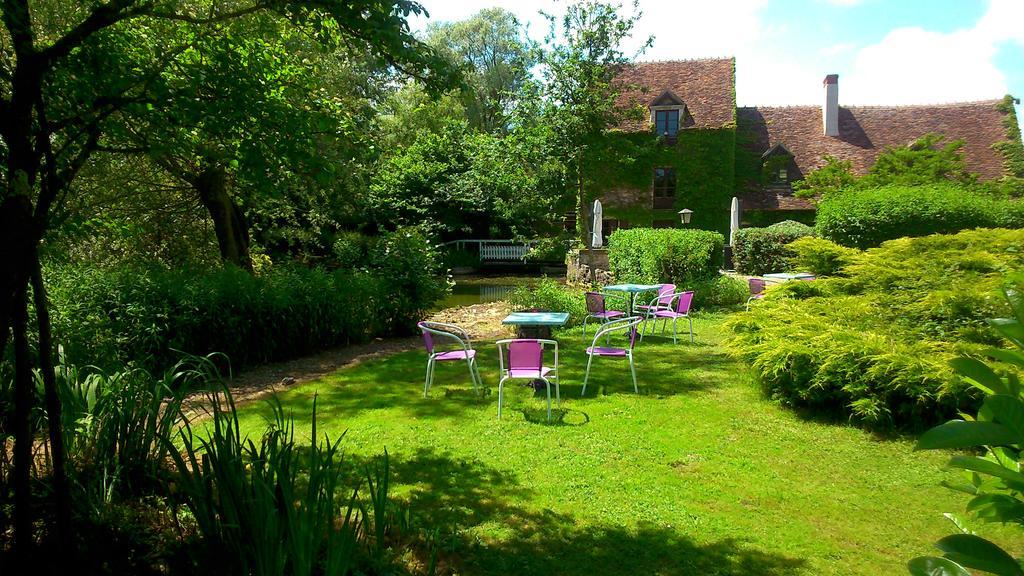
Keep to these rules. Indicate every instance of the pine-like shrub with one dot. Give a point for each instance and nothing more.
(874, 346)
(759, 251)
(866, 218)
(820, 257)
(665, 255)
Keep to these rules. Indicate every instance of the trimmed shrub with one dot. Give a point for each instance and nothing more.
(874, 346)
(718, 292)
(653, 256)
(820, 257)
(758, 251)
(147, 316)
(866, 218)
(350, 250)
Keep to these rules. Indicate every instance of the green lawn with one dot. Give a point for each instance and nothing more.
(696, 475)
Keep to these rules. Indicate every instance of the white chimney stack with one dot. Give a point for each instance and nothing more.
(830, 109)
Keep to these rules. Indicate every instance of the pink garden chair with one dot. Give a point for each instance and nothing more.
(680, 309)
(597, 310)
(628, 324)
(662, 302)
(526, 360)
(757, 286)
(463, 350)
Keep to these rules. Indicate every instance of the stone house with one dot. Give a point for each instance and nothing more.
(710, 150)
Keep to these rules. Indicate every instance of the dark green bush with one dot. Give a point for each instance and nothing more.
(146, 315)
(874, 346)
(820, 257)
(653, 256)
(759, 251)
(350, 250)
(866, 218)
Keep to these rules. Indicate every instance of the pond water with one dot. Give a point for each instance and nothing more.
(470, 290)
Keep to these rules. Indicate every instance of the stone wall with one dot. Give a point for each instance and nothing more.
(579, 264)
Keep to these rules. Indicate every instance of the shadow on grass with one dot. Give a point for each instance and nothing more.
(559, 416)
(478, 500)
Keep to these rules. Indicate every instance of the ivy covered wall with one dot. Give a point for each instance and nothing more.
(704, 160)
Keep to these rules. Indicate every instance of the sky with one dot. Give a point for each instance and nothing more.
(885, 51)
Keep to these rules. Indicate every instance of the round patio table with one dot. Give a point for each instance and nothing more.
(632, 290)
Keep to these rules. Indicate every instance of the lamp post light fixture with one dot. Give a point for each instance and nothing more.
(684, 215)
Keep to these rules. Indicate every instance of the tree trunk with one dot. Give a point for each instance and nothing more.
(229, 222)
(53, 415)
(23, 393)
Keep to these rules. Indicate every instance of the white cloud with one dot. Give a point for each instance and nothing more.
(913, 65)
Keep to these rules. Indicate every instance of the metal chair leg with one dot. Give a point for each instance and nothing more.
(674, 321)
(548, 385)
(501, 394)
(426, 379)
(590, 358)
(585, 318)
(632, 369)
(691, 328)
(558, 393)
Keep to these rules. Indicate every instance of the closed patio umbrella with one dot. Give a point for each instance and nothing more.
(596, 230)
(734, 219)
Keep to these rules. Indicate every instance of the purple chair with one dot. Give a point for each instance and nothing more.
(662, 302)
(628, 324)
(597, 309)
(683, 300)
(757, 286)
(526, 360)
(463, 351)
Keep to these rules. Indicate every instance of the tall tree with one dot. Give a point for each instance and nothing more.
(61, 82)
(584, 56)
(497, 56)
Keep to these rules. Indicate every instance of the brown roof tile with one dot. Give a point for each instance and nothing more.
(866, 131)
(706, 86)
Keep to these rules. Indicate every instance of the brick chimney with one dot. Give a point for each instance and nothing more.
(830, 108)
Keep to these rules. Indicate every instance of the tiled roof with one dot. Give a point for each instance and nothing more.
(706, 87)
(866, 131)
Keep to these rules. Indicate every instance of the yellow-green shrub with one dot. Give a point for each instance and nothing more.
(874, 346)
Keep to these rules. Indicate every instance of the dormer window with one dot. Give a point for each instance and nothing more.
(666, 122)
(668, 113)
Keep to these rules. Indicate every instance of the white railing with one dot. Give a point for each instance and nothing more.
(494, 250)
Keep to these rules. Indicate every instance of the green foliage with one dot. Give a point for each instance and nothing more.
(864, 218)
(497, 55)
(460, 184)
(874, 346)
(549, 295)
(350, 250)
(653, 256)
(722, 291)
(551, 249)
(758, 251)
(145, 315)
(925, 161)
(993, 480)
(833, 177)
(703, 160)
(820, 257)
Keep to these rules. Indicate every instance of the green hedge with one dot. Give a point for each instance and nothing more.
(758, 251)
(866, 218)
(874, 346)
(652, 256)
(145, 315)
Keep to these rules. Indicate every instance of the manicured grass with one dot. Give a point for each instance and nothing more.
(696, 475)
